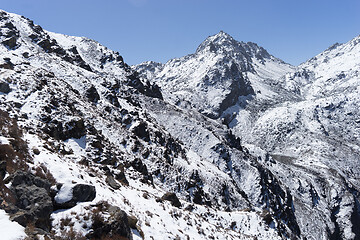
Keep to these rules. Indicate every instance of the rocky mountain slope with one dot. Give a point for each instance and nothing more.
(92, 149)
(217, 74)
(305, 122)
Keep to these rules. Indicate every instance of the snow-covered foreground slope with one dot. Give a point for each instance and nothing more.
(10, 230)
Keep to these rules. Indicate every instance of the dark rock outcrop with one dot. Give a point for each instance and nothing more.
(141, 131)
(139, 166)
(278, 201)
(122, 178)
(8, 64)
(92, 94)
(110, 180)
(10, 42)
(49, 45)
(4, 87)
(148, 89)
(132, 222)
(239, 87)
(115, 227)
(64, 130)
(33, 202)
(80, 193)
(10, 32)
(84, 193)
(172, 198)
(2, 169)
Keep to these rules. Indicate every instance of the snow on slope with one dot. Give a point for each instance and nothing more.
(302, 123)
(328, 112)
(10, 230)
(333, 71)
(317, 136)
(221, 70)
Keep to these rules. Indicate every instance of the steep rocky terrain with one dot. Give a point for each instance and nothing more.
(92, 148)
(301, 122)
(220, 72)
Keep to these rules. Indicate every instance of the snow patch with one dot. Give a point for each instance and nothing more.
(10, 230)
(65, 193)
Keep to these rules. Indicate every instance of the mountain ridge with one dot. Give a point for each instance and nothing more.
(162, 162)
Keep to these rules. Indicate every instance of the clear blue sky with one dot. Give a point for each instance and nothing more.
(159, 30)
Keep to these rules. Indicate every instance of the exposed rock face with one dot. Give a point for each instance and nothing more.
(50, 45)
(74, 128)
(289, 112)
(33, 201)
(239, 87)
(141, 131)
(148, 89)
(92, 94)
(8, 32)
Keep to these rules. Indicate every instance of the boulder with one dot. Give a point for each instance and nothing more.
(115, 227)
(92, 94)
(10, 42)
(171, 197)
(33, 202)
(84, 193)
(69, 195)
(4, 87)
(110, 180)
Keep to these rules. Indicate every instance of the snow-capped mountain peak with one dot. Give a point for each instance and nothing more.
(219, 40)
(220, 72)
(223, 43)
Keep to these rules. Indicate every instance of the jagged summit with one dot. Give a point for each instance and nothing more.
(224, 43)
(217, 75)
(216, 40)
